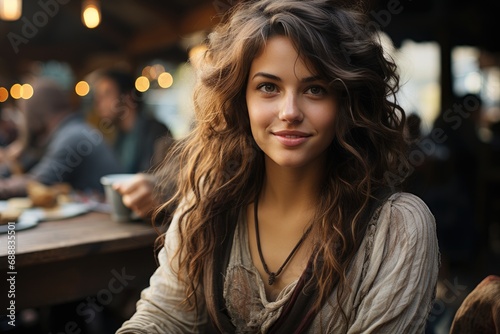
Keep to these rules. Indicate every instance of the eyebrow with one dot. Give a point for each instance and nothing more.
(274, 77)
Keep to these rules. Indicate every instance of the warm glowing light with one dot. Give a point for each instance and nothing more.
(15, 91)
(82, 88)
(152, 73)
(196, 54)
(142, 84)
(91, 13)
(165, 80)
(146, 71)
(156, 70)
(4, 94)
(26, 91)
(91, 17)
(10, 10)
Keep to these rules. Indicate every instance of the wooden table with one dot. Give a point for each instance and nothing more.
(71, 259)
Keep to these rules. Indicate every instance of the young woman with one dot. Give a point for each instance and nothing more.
(289, 222)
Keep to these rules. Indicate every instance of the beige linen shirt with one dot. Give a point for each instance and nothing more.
(392, 282)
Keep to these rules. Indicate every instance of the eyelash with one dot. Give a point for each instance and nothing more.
(262, 87)
(323, 91)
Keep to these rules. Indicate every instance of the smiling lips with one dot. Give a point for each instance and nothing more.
(291, 138)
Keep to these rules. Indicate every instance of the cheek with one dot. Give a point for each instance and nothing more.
(260, 116)
(254, 114)
(254, 119)
(327, 120)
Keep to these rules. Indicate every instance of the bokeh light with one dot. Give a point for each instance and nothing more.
(26, 91)
(91, 16)
(82, 88)
(146, 71)
(165, 80)
(196, 55)
(142, 84)
(4, 94)
(156, 70)
(15, 91)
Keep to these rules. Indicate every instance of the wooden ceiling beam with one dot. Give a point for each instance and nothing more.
(169, 32)
(105, 28)
(155, 8)
(202, 18)
(154, 38)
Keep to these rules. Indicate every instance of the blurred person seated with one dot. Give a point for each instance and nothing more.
(141, 141)
(73, 152)
(139, 194)
(8, 158)
(10, 144)
(20, 155)
(147, 191)
(8, 129)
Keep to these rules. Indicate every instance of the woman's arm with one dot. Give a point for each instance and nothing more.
(161, 308)
(397, 292)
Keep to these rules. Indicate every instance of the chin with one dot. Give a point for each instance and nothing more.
(296, 161)
(290, 163)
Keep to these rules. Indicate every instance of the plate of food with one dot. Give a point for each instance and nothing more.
(43, 203)
(61, 211)
(21, 220)
(53, 202)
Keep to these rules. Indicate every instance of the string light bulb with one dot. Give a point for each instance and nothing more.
(11, 10)
(91, 13)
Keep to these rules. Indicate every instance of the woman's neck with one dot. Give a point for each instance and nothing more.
(128, 122)
(290, 189)
(286, 209)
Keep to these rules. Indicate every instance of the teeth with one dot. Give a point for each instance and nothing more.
(291, 136)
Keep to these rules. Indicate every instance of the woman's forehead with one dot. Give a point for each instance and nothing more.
(279, 51)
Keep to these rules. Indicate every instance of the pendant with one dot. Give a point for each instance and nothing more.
(272, 278)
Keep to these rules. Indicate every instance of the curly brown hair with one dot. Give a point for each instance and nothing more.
(222, 168)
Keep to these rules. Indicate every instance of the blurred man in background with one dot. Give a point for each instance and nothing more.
(72, 151)
(140, 143)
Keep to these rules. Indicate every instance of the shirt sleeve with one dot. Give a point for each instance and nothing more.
(399, 287)
(161, 309)
(59, 162)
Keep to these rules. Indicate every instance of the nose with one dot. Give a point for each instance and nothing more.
(290, 111)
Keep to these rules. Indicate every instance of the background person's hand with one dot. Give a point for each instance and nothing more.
(14, 150)
(138, 194)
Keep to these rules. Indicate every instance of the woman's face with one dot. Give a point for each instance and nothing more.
(292, 111)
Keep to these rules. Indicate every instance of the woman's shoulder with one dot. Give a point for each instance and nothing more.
(408, 204)
(408, 213)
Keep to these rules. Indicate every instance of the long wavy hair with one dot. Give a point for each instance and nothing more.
(222, 169)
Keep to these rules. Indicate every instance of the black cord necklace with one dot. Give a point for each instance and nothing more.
(274, 275)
